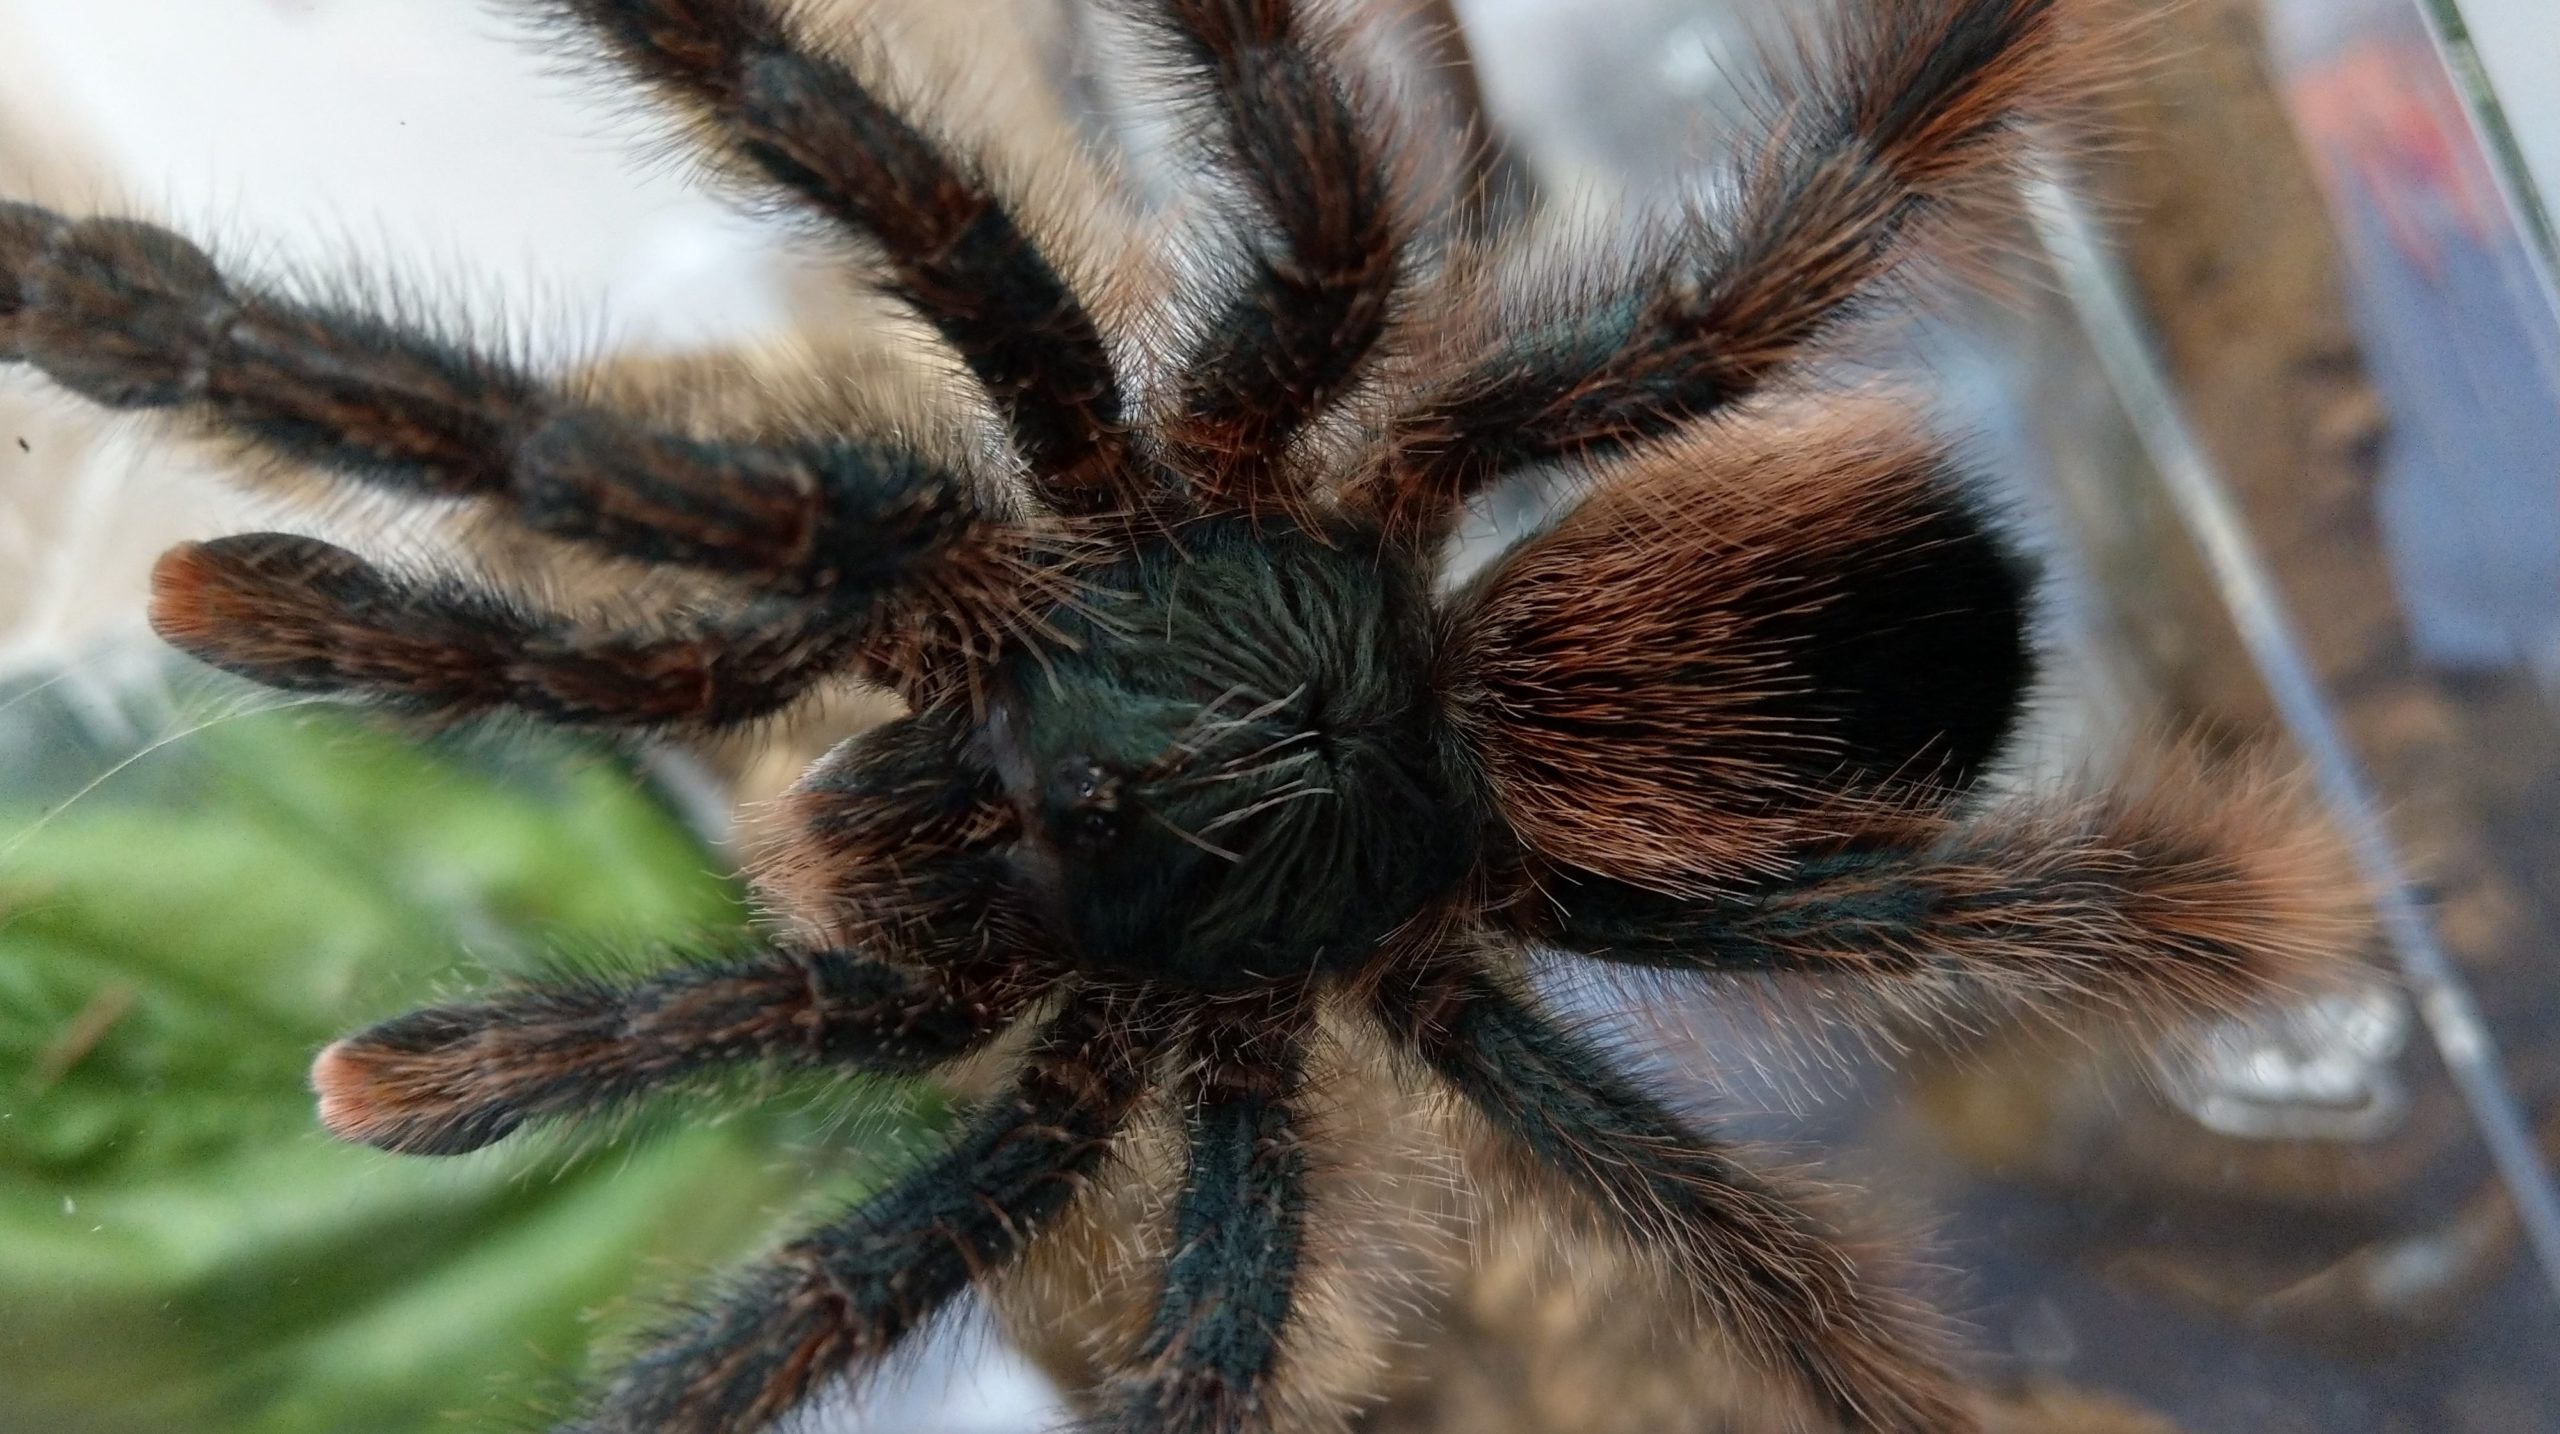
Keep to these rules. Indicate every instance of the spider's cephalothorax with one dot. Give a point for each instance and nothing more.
(1233, 768)
(1205, 766)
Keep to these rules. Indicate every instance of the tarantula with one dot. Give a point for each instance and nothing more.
(1200, 748)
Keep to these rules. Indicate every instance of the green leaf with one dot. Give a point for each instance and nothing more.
(180, 1248)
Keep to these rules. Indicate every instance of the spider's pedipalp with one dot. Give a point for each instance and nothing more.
(1216, 1342)
(454, 1078)
(1748, 1248)
(302, 615)
(953, 249)
(902, 838)
(1699, 665)
(1913, 116)
(838, 1298)
(2171, 895)
(1317, 289)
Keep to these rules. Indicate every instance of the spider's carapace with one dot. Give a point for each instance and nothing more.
(1231, 761)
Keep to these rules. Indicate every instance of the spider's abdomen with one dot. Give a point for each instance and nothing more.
(1233, 769)
(1712, 660)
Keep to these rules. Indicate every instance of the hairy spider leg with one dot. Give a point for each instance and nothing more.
(1316, 290)
(1744, 1244)
(1212, 1355)
(955, 253)
(305, 616)
(2176, 894)
(450, 1079)
(1904, 118)
(130, 315)
(915, 954)
(836, 1299)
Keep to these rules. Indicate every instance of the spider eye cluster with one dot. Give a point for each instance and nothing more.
(1084, 806)
(1232, 768)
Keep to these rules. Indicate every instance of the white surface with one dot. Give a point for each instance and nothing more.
(424, 136)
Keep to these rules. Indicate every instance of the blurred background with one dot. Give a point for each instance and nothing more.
(2277, 387)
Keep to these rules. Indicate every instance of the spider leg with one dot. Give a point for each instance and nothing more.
(1214, 1347)
(454, 1078)
(1913, 112)
(1745, 1244)
(2180, 893)
(894, 850)
(1499, 191)
(954, 252)
(305, 616)
(838, 1298)
(1317, 289)
(130, 315)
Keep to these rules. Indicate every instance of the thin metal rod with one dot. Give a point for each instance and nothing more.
(2125, 351)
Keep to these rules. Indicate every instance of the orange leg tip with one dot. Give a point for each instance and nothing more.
(185, 595)
(344, 1080)
(361, 1100)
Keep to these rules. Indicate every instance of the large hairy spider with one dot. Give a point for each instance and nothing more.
(1200, 756)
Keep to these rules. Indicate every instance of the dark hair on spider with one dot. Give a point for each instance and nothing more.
(1204, 771)
(1236, 769)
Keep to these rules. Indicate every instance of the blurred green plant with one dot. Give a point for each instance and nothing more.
(180, 1248)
